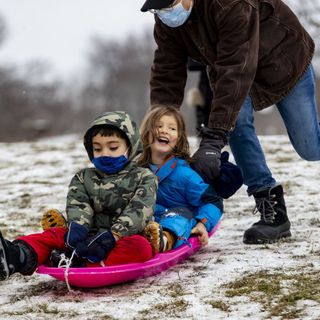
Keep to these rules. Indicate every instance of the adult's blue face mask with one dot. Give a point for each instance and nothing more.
(175, 16)
(110, 165)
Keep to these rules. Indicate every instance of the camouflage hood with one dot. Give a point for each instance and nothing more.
(122, 121)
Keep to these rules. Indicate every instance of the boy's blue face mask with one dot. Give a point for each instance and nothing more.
(175, 16)
(110, 165)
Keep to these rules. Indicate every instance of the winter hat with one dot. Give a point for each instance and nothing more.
(230, 178)
(156, 4)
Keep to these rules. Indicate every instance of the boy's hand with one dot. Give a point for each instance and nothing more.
(76, 234)
(201, 230)
(96, 248)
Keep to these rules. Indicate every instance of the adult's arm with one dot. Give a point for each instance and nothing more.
(237, 59)
(169, 69)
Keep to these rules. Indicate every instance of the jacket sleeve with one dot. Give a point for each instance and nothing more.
(208, 203)
(237, 59)
(159, 211)
(139, 210)
(78, 203)
(169, 69)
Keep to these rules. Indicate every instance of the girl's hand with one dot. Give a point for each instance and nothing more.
(201, 230)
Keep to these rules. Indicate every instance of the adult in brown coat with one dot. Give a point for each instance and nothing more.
(257, 54)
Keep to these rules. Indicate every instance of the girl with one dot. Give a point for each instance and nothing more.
(185, 203)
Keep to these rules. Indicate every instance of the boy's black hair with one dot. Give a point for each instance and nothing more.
(105, 131)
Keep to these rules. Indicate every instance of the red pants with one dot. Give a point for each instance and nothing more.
(127, 250)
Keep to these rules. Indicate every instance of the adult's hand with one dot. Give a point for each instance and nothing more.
(206, 160)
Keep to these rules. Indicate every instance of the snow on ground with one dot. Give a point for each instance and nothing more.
(225, 280)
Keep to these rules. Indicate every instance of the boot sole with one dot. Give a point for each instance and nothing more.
(261, 240)
(4, 270)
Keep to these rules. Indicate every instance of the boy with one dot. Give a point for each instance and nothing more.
(106, 206)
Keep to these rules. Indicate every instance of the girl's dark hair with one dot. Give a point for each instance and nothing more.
(149, 125)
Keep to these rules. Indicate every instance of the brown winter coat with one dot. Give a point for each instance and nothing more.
(249, 46)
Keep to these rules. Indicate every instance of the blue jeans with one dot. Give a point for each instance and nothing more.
(299, 113)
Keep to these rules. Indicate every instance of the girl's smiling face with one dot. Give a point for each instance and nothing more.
(166, 138)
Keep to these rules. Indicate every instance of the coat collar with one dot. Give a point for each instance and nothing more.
(165, 169)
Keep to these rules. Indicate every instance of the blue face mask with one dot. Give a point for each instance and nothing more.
(110, 165)
(174, 17)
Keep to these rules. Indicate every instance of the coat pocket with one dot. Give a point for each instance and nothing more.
(275, 70)
(271, 32)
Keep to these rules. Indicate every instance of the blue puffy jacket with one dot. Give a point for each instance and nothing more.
(180, 186)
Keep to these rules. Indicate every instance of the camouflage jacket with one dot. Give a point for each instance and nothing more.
(123, 202)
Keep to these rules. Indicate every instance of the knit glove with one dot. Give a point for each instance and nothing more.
(206, 160)
(76, 235)
(96, 248)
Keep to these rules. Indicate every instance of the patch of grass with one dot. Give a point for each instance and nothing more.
(278, 292)
(56, 288)
(200, 271)
(24, 201)
(174, 308)
(45, 163)
(218, 304)
(252, 282)
(284, 159)
(42, 308)
(32, 222)
(299, 256)
(42, 182)
(315, 222)
(175, 290)
(16, 216)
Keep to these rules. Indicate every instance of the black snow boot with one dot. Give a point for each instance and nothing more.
(59, 259)
(16, 256)
(274, 223)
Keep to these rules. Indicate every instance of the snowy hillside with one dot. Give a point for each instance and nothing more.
(225, 280)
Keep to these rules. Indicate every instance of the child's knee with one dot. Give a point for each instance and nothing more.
(131, 249)
(141, 247)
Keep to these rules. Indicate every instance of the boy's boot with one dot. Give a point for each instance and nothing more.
(274, 223)
(16, 256)
(60, 259)
(53, 218)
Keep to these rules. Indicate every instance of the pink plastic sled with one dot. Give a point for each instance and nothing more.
(106, 276)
